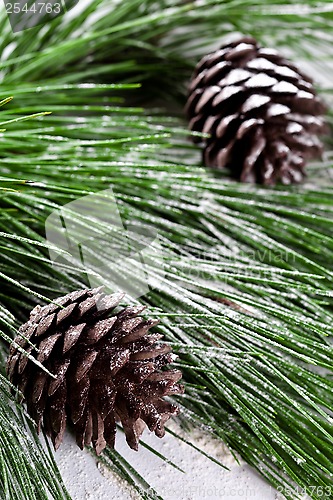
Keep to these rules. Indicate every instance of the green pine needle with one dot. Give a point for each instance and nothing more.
(246, 294)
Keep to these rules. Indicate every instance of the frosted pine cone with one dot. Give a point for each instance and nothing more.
(261, 112)
(107, 368)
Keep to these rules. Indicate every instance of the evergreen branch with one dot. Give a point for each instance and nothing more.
(272, 329)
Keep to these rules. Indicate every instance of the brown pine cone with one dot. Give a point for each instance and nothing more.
(106, 367)
(261, 112)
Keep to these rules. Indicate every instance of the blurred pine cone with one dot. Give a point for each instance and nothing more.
(261, 112)
(107, 368)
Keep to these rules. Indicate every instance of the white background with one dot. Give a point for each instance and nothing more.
(202, 479)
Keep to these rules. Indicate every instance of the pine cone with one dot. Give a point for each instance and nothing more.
(107, 368)
(261, 112)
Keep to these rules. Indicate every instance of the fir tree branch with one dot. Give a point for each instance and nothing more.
(253, 332)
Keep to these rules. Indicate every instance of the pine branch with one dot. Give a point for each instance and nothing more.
(27, 471)
(279, 272)
(253, 331)
(141, 41)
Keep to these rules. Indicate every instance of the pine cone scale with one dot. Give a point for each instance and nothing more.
(79, 398)
(23, 361)
(84, 364)
(71, 336)
(39, 385)
(46, 347)
(59, 373)
(45, 324)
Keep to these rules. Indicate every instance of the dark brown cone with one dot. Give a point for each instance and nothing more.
(261, 112)
(107, 368)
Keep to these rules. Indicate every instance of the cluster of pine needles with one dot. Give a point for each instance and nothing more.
(247, 288)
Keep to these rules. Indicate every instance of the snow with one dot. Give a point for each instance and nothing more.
(202, 478)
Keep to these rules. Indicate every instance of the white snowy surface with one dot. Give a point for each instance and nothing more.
(202, 479)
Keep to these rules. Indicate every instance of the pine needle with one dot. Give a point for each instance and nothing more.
(245, 294)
